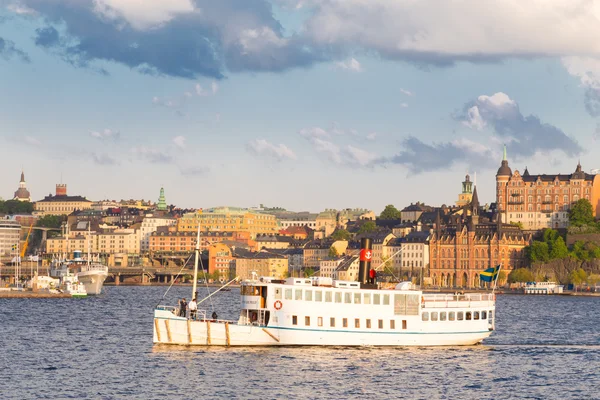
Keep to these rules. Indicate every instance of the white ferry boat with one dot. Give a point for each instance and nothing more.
(318, 312)
(542, 288)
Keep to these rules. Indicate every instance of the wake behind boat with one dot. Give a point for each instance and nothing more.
(322, 312)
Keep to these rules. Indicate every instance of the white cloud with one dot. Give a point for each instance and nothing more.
(372, 136)
(350, 65)
(164, 102)
(259, 40)
(263, 147)
(20, 9)
(179, 141)
(152, 154)
(315, 132)
(106, 134)
(406, 92)
(322, 142)
(403, 105)
(32, 141)
(474, 120)
(143, 14)
(360, 156)
(587, 69)
(480, 29)
(200, 91)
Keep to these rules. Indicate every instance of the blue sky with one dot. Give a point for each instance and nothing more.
(301, 104)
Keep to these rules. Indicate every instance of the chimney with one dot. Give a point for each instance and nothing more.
(366, 255)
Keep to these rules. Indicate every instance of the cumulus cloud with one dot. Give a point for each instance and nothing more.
(525, 135)
(350, 65)
(324, 143)
(142, 15)
(106, 134)
(179, 142)
(8, 50)
(153, 155)
(372, 136)
(200, 91)
(403, 105)
(264, 148)
(406, 92)
(587, 69)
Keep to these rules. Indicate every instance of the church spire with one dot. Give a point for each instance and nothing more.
(504, 155)
(22, 176)
(162, 202)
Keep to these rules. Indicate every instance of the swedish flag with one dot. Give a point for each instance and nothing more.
(15, 247)
(490, 274)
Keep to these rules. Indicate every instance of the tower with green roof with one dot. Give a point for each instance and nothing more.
(162, 202)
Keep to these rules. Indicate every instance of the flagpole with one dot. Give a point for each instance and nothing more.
(497, 276)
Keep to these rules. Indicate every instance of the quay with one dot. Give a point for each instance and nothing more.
(28, 294)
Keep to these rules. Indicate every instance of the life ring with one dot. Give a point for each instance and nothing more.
(278, 304)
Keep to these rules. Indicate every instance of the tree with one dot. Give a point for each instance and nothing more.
(550, 235)
(518, 224)
(341, 234)
(308, 272)
(367, 227)
(559, 249)
(538, 252)
(580, 252)
(593, 279)
(520, 275)
(581, 213)
(390, 212)
(15, 207)
(51, 221)
(577, 277)
(333, 253)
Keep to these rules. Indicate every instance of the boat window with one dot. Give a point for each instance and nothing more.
(376, 297)
(356, 298)
(345, 322)
(347, 298)
(308, 295)
(434, 315)
(459, 316)
(490, 315)
(367, 298)
(443, 316)
(338, 297)
(380, 324)
(294, 320)
(298, 295)
(307, 321)
(278, 294)
(320, 321)
(386, 299)
(288, 294)
(318, 295)
(357, 323)
(406, 304)
(328, 297)
(332, 322)
(368, 325)
(483, 315)
(392, 324)
(451, 316)
(468, 315)
(404, 324)
(425, 316)
(475, 314)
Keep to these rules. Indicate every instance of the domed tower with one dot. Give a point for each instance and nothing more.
(22, 194)
(502, 177)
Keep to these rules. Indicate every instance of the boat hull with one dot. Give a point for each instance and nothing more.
(169, 329)
(92, 280)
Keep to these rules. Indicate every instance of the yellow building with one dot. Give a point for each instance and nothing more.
(466, 195)
(262, 263)
(228, 219)
(118, 241)
(221, 260)
(61, 203)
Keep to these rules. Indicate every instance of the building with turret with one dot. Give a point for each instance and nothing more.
(540, 201)
(61, 203)
(22, 194)
(162, 202)
(466, 195)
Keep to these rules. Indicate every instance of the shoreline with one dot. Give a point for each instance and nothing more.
(24, 294)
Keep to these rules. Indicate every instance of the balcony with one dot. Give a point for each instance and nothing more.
(515, 202)
(547, 202)
(547, 211)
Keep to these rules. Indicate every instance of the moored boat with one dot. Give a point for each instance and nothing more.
(318, 312)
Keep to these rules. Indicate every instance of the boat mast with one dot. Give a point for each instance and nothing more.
(88, 242)
(194, 284)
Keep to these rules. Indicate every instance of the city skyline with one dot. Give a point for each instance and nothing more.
(300, 104)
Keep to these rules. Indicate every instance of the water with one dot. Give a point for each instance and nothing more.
(101, 348)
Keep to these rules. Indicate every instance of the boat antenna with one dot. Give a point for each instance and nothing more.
(195, 283)
(88, 240)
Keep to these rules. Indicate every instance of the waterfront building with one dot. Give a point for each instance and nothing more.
(295, 256)
(331, 219)
(273, 241)
(228, 219)
(22, 194)
(409, 255)
(297, 232)
(347, 270)
(317, 250)
(466, 195)
(61, 203)
(543, 200)
(460, 250)
(104, 205)
(327, 267)
(169, 239)
(139, 204)
(413, 212)
(10, 232)
(220, 259)
(149, 225)
(263, 263)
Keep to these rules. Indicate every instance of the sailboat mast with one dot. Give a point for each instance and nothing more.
(194, 284)
(88, 242)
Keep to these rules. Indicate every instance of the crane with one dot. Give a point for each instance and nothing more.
(24, 249)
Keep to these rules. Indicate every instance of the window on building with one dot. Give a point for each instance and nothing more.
(318, 295)
(307, 321)
(368, 324)
(380, 324)
(332, 322)
(345, 322)
(320, 321)
(294, 320)
(392, 324)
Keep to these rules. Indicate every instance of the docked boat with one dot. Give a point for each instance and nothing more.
(68, 281)
(322, 312)
(92, 276)
(543, 288)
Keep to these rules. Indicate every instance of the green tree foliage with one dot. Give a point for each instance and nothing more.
(550, 235)
(51, 221)
(580, 251)
(559, 249)
(367, 227)
(581, 213)
(517, 224)
(390, 212)
(308, 272)
(520, 275)
(333, 253)
(538, 252)
(341, 234)
(577, 277)
(15, 207)
(593, 279)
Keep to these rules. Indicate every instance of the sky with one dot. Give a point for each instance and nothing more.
(301, 104)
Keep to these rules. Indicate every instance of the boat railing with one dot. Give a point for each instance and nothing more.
(456, 300)
(94, 267)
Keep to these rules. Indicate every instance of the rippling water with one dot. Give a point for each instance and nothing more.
(101, 348)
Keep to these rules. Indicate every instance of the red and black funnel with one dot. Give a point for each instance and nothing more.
(366, 255)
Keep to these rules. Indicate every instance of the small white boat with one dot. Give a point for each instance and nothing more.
(68, 281)
(543, 288)
(309, 312)
(92, 276)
